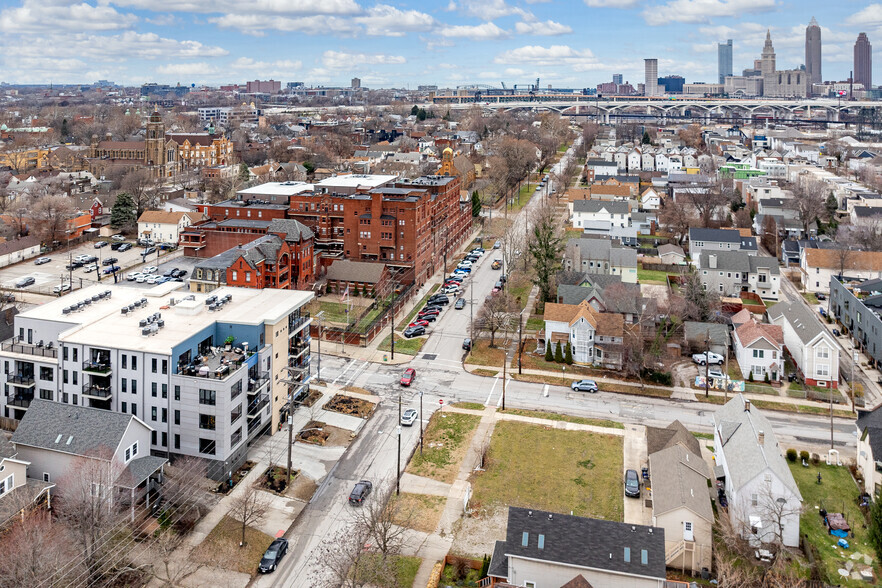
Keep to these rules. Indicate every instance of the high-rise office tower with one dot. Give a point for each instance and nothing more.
(650, 84)
(813, 53)
(863, 61)
(724, 60)
(617, 79)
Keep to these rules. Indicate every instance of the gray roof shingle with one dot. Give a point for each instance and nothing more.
(714, 235)
(684, 483)
(803, 321)
(594, 206)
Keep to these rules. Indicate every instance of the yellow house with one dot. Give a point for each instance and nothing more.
(25, 159)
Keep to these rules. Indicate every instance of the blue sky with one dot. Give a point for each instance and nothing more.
(572, 43)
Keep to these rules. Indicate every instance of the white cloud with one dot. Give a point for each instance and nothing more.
(702, 11)
(489, 9)
(547, 28)
(481, 32)
(554, 56)
(384, 20)
(163, 20)
(868, 17)
(35, 16)
(266, 69)
(612, 3)
(514, 71)
(343, 60)
(251, 7)
(198, 70)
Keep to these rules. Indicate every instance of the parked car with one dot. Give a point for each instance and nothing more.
(170, 272)
(584, 386)
(820, 296)
(25, 282)
(141, 279)
(451, 289)
(90, 258)
(73, 265)
(132, 276)
(149, 269)
(464, 263)
(716, 374)
(115, 246)
(460, 304)
(497, 264)
(42, 260)
(632, 484)
(409, 417)
(118, 238)
(180, 273)
(100, 244)
(497, 244)
(163, 279)
(477, 251)
(92, 267)
(823, 313)
(360, 492)
(272, 556)
(408, 377)
(836, 333)
(439, 299)
(149, 250)
(419, 323)
(463, 270)
(112, 269)
(428, 312)
(428, 317)
(109, 261)
(61, 289)
(709, 357)
(433, 307)
(410, 332)
(467, 344)
(124, 247)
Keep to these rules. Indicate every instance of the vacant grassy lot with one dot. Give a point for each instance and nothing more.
(402, 345)
(551, 469)
(810, 297)
(483, 354)
(406, 567)
(445, 442)
(837, 492)
(651, 276)
(417, 511)
(221, 547)
(483, 372)
(468, 405)
(555, 416)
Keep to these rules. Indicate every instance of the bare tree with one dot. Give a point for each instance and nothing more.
(141, 186)
(37, 552)
(496, 315)
(186, 484)
(676, 219)
(250, 507)
(51, 215)
(385, 520)
(512, 245)
(692, 137)
(167, 568)
(809, 202)
(346, 561)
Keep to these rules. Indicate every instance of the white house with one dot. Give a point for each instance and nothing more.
(764, 500)
(817, 266)
(17, 492)
(759, 349)
(635, 160)
(164, 227)
(869, 449)
(650, 200)
(595, 337)
(812, 347)
(590, 212)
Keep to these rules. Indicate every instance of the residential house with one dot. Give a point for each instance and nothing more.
(607, 293)
(595, 337)
(165, 227)
(650, 200)
(601, 256)
(869, 449)
(56, 439)
(671, 254)
(356, 276)
(548, 550)
(759, 350)
(857, 308)
(18, 493)
(764, 501)
(644, 223)
(600, 167)
(813, 349)
(729, 273)
(596, 213)
(818, 266)
(713, 240)
(700, 337)
(681, 506)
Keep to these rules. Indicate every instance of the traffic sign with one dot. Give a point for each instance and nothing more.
(440, 401)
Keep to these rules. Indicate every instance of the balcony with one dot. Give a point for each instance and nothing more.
(47, 350)
(97, 367)
(296, 323)
(97, 392)
(256, 406)
(20, 400)
(255, 385)
(298, 349)
(215, 367)
(22, 381)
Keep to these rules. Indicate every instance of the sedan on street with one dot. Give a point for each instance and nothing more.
(584, 386)
(460, 304)
(407, 378)
(41, 260)
(360, 492)
(632, 484)
(273, 555)
(409, 417)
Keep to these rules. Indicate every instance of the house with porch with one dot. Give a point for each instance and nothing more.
(813, 348)
(595, 337)
(869, 449)
(759, 349)
(18, 493)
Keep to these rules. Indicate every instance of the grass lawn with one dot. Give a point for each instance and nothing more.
(483, 372)
(468, 405)
(418, 307)
(572, 234)
(552, 469)
(402, 345)
(708, 436)
(417, 511)
(483, 354)
(445, 442)
(836, 493)
(810, 297)
(734, 371)
(534, 323)
(651, 276)
(406, 567)
(335, 312)
(221, 547)
(554, 416)
(519, 286)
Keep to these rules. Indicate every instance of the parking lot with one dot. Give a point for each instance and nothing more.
(49, 275)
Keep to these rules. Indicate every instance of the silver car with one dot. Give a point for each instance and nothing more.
(409, 417)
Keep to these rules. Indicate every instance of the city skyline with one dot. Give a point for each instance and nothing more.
(565, 44)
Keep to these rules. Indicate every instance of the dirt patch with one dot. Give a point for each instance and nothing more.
(315, 432)
(302, 487)
(475, 534)
(337, 437)
(230, 483)
(314, 396)
(359, 390)
(418, 511)
(274, 479)
(351, 406)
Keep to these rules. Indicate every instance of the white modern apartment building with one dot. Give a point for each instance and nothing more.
(209, 373)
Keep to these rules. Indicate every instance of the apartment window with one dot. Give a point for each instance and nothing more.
(207, 421)
(125, 407)
(45, 476)
(75, 354)
(525, 539)
(64, 397)
(64, 376)
(134, 386)
(177, 417)
(236, 389)
(235, 414)
(165, 366)
(758, 353)
(165, 390)
(153, 388)
(823, 353)
(207, 397)
(822, 369)
(206, 446)
(627, 554)
(134, 362)
(164, 439)
(177, 392)
(123, 384)
(75, 377)
(45, 394)
(153, 413)
(7, 484)
(64, 353)
(644, 557)
(134, 409)
(177, 441)
(234, 276)
(754, 500)
(164, 417)
(76, 399)
(153, 437)
(236, 437)
(153, 365)
(247, 276)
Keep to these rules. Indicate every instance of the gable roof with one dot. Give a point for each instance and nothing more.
(166, 217)
(578, 582)
(733, 261)
(869, 423)
(594, 206)
(684, 483)
(741, 317)
(801, 319)
(669, 248)
(77, 430)
(658, 438)
(294, 230)
(345, 270)
(751, 331)
(738, 426)
(585, 543)
(855, 260)
(715, 235)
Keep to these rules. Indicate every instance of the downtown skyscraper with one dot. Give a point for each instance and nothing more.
(863, 61)
(724, 60)
(813, 54)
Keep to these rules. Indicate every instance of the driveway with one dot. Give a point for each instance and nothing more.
(635, 457)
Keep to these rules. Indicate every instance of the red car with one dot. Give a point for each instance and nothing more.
(433, 311)
(407, 378)
(419, 323)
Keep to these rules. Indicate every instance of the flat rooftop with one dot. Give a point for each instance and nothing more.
(355, 181)
(102, 324)
(277, 189)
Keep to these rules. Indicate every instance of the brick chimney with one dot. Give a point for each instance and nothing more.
(746, 405)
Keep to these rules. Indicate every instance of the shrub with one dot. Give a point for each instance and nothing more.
(558, 354)
(816, 459)
(767, 380)
(750, 377)
(804, 456)
(568, 356)
(549, 354)
(791, 454)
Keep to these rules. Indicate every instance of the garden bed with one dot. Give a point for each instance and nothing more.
(351, 406)
(230, 483)
(314, 433)
(275, 479)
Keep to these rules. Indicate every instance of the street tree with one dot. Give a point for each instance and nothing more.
(141, 186)
(496, 315)
(123, 213)
(545, 247)
(249, 508)
(512, 245)
(476, 204)
(51, 215)
(809, 202)
(37, 552)
(186, 486)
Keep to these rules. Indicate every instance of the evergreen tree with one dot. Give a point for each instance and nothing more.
(558, 354)
(476, 204)
(421, 115)
(123, 214)
(415, 111)
(569, 354)
(646, 139)
(65, 131)
(244, 174)
(831, 205)
(549, 354)
(875, 527)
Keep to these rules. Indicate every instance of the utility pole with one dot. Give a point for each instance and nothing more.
(472, 311)
(398, 467)
(421, 422)
(707, 363)
(520, 336)
(318, 374)
(504, 374)
(728, 381)
(299, 386)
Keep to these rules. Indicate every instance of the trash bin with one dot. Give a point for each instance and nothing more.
(705, 574)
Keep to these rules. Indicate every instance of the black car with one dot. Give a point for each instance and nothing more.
(467, 344)
(410, 332)
(273, 555)
(460, 304)
(632, 484)
(24, 282)
(360, 492)
(109, 261)
(89, 259)
(431, 307)
(73, 265)
(431, 317)
(116, 245)
(442, 299)
(820, 296)
(170, 273)
(124, 247)
(180, 273)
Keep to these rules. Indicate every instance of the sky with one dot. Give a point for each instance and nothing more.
(565, 43)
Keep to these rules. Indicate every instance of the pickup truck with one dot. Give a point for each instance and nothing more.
(709, 357)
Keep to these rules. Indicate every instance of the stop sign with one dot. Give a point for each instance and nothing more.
(440, 401)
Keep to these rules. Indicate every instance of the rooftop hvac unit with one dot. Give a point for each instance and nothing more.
(143, 302)
(211, 300)
(108, 293)
(125, 310)
(190, 297)
(160, 323)
(86, 302)
(228, 298)
(65, 310)
(154, 329)
(96, 298)
(136, 304)
(171, 301)
(142, 323)
(145, 332)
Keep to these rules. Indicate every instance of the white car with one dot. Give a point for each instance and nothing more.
(451, 290)
(709, 357)
(152, 279)
(716, 374)
(141, 279)
(465, 264)
(132, 276)
(149, 269)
